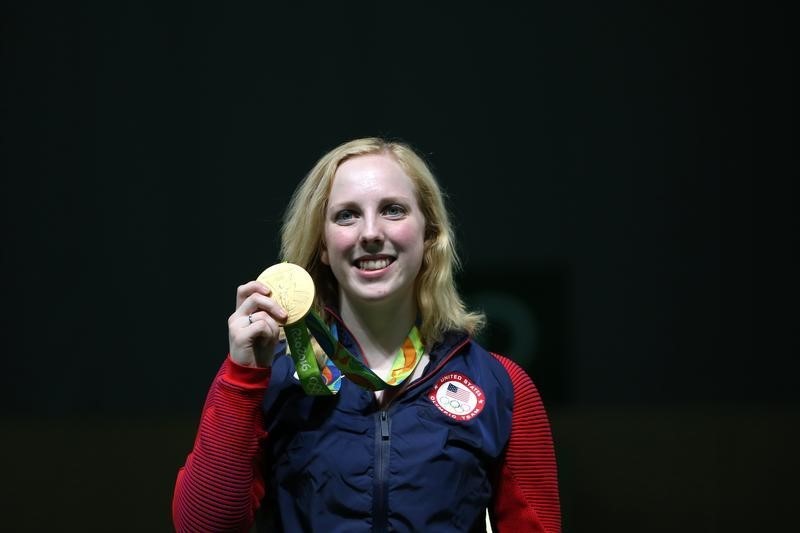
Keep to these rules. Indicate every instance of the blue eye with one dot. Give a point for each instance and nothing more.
(394, 210)
(344, 216)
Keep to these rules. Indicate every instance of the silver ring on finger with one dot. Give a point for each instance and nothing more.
(250, 318)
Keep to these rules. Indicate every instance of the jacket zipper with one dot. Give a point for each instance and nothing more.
(381, 494)
(380, 502)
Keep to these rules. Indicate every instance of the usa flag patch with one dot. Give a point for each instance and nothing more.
(457, 397)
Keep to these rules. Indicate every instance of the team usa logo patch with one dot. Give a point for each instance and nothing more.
(457, 397)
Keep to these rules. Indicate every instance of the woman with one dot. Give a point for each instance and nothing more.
(460, 431)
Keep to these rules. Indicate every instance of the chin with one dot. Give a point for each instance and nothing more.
(377, 295)
(373, 297)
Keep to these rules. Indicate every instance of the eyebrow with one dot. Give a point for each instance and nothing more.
(347, 204)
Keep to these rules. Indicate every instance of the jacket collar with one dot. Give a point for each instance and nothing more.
(441, 349)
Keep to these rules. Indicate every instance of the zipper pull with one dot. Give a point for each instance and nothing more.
(384, 425)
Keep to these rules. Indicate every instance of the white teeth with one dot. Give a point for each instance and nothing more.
(373, 264)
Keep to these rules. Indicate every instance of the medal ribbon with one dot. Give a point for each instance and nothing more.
(341, 362)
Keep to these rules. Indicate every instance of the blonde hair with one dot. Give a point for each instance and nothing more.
(439, 304)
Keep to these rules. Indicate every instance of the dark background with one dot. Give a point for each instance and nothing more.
(620, 174)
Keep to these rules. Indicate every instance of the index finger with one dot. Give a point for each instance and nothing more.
(249, 288)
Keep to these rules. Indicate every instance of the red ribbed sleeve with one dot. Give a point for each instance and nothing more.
(220, 486)
(526, 495)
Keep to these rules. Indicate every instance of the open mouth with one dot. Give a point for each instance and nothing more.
(374, 264)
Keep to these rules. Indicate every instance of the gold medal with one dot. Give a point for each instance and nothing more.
(292, 287)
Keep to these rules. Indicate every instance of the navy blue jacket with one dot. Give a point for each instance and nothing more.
(471, 433)
(423, 462)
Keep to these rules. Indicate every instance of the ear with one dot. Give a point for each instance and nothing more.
(323, 255)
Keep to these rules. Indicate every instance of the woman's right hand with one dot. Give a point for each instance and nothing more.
(253, 329)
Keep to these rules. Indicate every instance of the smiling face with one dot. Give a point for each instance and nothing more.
(374, 232)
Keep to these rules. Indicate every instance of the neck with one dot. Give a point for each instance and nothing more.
(381, 328)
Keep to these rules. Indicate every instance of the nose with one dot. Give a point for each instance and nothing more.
(372, 234)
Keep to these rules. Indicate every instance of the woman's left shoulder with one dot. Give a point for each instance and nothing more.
(498, 366)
